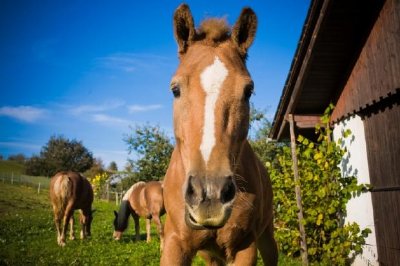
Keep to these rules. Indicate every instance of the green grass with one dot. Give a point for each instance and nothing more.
(27, 235)
(11, 171)
(11, 167)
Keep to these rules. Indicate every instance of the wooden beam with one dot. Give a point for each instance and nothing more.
(306, 121)
(303, 243)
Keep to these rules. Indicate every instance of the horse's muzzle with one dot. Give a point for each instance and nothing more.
(209, 201)
(117, 235)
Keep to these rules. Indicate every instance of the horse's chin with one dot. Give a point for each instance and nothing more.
(198, 222)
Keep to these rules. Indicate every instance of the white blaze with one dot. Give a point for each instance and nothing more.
(211, 80)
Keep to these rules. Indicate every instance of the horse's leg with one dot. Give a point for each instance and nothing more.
(71, 228)
(175, 251)
(247, 253)
(82, 220)
(67, 216)
(57, 221)
(137, 226)
(210, 260)
(148, 227)
(157, 220)
(267, 246)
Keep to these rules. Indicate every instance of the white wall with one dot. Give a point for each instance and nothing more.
(355, 163)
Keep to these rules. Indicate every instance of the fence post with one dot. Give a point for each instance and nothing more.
(108, 191)
(38, 190)
(12, 178)
(116, 198)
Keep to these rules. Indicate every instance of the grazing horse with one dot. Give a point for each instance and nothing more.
(217, 194)
(141, 200)
(70, 191)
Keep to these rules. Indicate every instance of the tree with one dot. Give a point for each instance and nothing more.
(96, 168)
(36, 166)
(19, 158)
(61, 154)
(260, 126)
(112, 167)
(154, 150)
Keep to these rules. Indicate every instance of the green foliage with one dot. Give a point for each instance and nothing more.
(325, 194)
(260, 127)
(20, 158)
(112, 167)
(154, 149)
(96, 168)
(60, 154)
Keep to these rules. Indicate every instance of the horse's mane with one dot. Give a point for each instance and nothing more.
(132, 188)
(213, 31)
(138, 185)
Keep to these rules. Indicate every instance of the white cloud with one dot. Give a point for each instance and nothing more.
(130, 62)
(20, 145)
(111, 120)
(23, 113)
(143, 108)
(87, 108)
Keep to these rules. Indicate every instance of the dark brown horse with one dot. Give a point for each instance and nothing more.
(217, 194)
(141, 200)
(70, 191)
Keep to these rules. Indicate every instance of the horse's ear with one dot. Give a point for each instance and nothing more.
(183, 27)
(116, 214)
(244, 30)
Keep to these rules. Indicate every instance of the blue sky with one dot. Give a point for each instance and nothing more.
(92, 70)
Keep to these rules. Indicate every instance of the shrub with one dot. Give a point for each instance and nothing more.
(325, 194)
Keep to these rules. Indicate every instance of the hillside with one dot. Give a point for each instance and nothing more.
(11, 167)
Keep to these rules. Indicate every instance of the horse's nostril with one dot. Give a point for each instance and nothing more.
(192, 190)
(228, 191)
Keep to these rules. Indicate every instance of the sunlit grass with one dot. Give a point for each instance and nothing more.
(27, 235)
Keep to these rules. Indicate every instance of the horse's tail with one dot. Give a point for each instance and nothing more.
(63, 190)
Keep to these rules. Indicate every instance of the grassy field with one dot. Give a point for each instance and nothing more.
(27, 235)
(13, 172)
(11, 167)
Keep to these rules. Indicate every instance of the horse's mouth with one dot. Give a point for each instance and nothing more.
(117, 235)
(210, 223)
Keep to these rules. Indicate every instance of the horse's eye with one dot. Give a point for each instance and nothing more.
(176, 90)
(248, 91)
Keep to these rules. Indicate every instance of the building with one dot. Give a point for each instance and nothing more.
(349, 55)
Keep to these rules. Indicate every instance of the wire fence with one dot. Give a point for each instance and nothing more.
(41, 183)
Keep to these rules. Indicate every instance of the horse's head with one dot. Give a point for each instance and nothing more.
(117, 227)
(211, 88)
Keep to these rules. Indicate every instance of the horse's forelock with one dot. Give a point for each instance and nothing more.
(213, 30)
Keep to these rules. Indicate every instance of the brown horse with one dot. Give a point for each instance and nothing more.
(217, 194)
(70, 191)
(141, 200)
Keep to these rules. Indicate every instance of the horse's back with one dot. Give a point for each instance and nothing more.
(60, 188)
(73, 187)
(154, 196)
